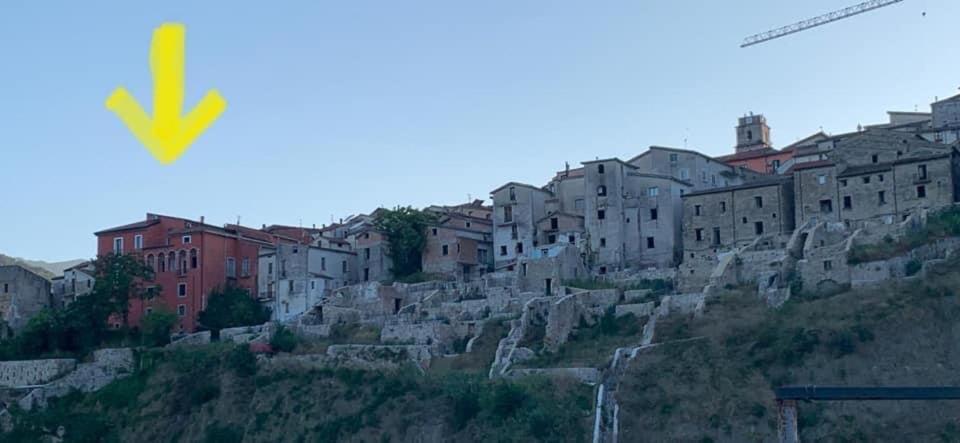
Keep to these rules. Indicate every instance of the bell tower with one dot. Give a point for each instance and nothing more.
(752, 133)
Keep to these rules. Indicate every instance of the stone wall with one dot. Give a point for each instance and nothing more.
(34, 372)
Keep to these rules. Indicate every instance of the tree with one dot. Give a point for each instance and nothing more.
(230, 307)
(155, 327)
(120, 278)
(405, 230)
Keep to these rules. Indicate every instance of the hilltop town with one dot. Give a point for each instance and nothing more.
(628, 242)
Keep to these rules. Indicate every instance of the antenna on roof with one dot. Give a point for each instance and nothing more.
(469, 198)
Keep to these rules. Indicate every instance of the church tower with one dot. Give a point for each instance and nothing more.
(752, 133)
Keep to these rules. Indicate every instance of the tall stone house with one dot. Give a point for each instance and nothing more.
(76, 281)
(190, 259)
(460, 241)
(619, 214)
(23, 294)
(295, 277)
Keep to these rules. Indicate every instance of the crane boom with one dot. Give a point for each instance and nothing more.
(816, 21)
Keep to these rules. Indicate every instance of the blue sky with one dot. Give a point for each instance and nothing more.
(337, 108)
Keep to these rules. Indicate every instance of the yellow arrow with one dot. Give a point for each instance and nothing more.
(169, 134)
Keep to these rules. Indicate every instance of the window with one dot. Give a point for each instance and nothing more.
(313, 284)
(684, 174)
(866, 180)
(171, 262)
(880, 178)
(827, 265)
(138, 242)
(6, 288)
(513, 232)
(922, 172)
(603, 242)
(181, 290)
(182, 261)
(571, 239)
(551, 239)
(826, 206)
(343, 266)
(601, 190)
(366, 253)
(118, 245)
(696, 209)
(161, 263)
(603, 270)
(601, 214)
(245, 267)
(699, 234)
(723, 207)
(653, 214)
(194, 260)
(445, 249)
(758, 201)
(874, 158)
(703, 176)
(775, 164)
(554, 223)
(713, 180)
(716, 236)
(578, 204)
(186, 239)
(599, 169)
(508, 213)
(151, 262)
(758, 228)
(673, 158)
(921, 191)
(182, 310)
(270, 268)
(323, 264)
(650, 243)
(821, 179)
(513, 194)
(523, 269)
(843, 182)
(231, 267)
(519, 248)
(503, 250)
(744, 221)
(434, 231)
(881, 198)
(468, 224)
(653, 191)
(847, 202)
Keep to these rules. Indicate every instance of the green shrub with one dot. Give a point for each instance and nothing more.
(242, 361)
(283, 340)
(217, 433)
(156, 326)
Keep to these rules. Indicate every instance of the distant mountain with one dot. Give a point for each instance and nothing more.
(48, 270)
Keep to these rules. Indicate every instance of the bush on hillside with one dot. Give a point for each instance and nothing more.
(155, 327)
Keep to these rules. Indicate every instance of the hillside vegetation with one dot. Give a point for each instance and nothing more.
(719, 387)
(217, 393)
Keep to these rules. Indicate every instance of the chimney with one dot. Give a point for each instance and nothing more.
(314, 226)
(201, 219)
(263, 226)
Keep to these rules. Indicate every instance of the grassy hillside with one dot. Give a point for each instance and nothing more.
(45, 269)
(719, 388)
(216, 394)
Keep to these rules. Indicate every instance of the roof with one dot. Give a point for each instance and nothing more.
(746, 155)
(137, 225)
(807, 140)
(948, 99)
(762, 183)
(667, 148)
(524, 185)
(811, 165)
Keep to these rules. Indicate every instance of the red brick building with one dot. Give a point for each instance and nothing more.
(190, 259)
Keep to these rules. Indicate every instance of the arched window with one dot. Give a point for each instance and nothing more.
(601, 190)
(182, 265)
(172, 261)
(161, 263)
(193, 259)
(150, 261)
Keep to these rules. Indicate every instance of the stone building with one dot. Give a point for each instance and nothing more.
(721, 219)
(878, 175)
(295, 277)
(373, 261)
(23, 294)
(76, 281)
(517, 208)
(460, 242)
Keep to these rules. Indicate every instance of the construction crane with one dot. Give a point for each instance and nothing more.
(816, 21)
